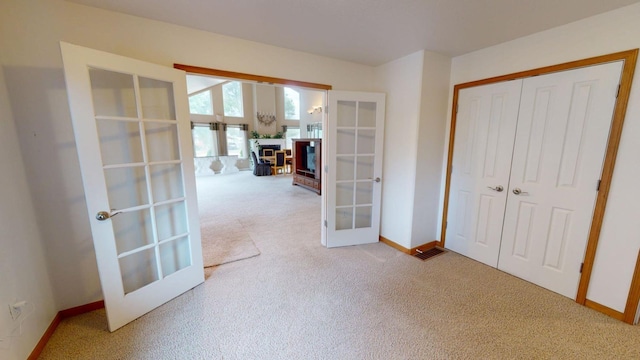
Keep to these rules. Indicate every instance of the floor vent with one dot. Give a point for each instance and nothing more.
(428, 254)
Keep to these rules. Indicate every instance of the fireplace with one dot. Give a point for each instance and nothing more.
(273, 147)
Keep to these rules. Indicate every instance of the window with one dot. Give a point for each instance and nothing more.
(203, 144)
(291, 104)
(236, 139)
(292, 133)
(200, 103)
(232, 99)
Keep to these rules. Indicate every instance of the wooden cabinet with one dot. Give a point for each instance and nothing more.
(307, 164)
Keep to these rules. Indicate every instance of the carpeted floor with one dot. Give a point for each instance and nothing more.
(298, 300)
(225, 239)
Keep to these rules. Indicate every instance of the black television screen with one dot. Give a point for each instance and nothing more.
(311, 158)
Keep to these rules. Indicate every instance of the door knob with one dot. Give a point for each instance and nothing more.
(104, 215)
(517, 191)
(376, 180)
(498, 188)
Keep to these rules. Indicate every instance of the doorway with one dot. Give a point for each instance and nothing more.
(266, 115)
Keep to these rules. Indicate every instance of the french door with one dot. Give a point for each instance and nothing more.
(354, 167)
(132, 132)
(545, 183)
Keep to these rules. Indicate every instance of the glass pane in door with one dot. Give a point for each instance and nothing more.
(344, 218)
(344, 168)
(120, 142)
(346, 142)
(113, 93)
(175, 255)
(132, 230)
(126, 187)
(162, 141)
(166, 182)
(366, 114)
(366, 141)
(171, 220)
(364, 193)
(364, 169)
(363, 217)
(138, 269)
(346, 114)
(156, 98)
(344, 194)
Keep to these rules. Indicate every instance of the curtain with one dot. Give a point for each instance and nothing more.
(215, 135)
(244, 133)
(222, 139)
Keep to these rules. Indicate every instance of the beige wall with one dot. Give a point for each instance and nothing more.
(416, 87)
(430, 138)
(24, 273)
(402, 81)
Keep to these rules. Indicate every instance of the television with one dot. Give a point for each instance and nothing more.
(310, 158)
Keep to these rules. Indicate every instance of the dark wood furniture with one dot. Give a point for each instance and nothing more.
(307, 169)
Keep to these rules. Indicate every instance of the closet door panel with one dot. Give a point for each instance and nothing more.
(560, 143)
(485, 130)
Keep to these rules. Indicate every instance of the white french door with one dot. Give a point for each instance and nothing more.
(563, 128)
(132, 132)
(485, 129)
(536, 224)
(354, 167)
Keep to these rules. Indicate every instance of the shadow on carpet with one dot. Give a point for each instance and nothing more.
(225, 247)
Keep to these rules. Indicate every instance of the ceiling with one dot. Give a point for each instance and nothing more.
(197, 83)
(370, 32)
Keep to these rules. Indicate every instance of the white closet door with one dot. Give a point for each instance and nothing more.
(485, 130)
(563, 127)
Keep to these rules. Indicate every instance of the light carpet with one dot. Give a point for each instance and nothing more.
(224, 238)
(299, 300)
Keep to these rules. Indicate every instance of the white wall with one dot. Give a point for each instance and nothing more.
(23, 266)
(430, 139)
(30, 31)
(607, 33)
(401, 80)
(417, 89)
(308, 100)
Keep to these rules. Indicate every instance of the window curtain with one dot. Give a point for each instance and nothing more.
(215, 134)
(222, 138)
(244, 133)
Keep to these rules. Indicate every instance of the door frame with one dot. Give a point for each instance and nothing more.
(629, 57)
(249, 77)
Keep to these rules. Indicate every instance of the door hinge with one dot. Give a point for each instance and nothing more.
(325, 223)
(581, 266)
(446, 224)
(598, 187)
(457, 107)
(326, 109)
(618, 92)
(326, 169)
